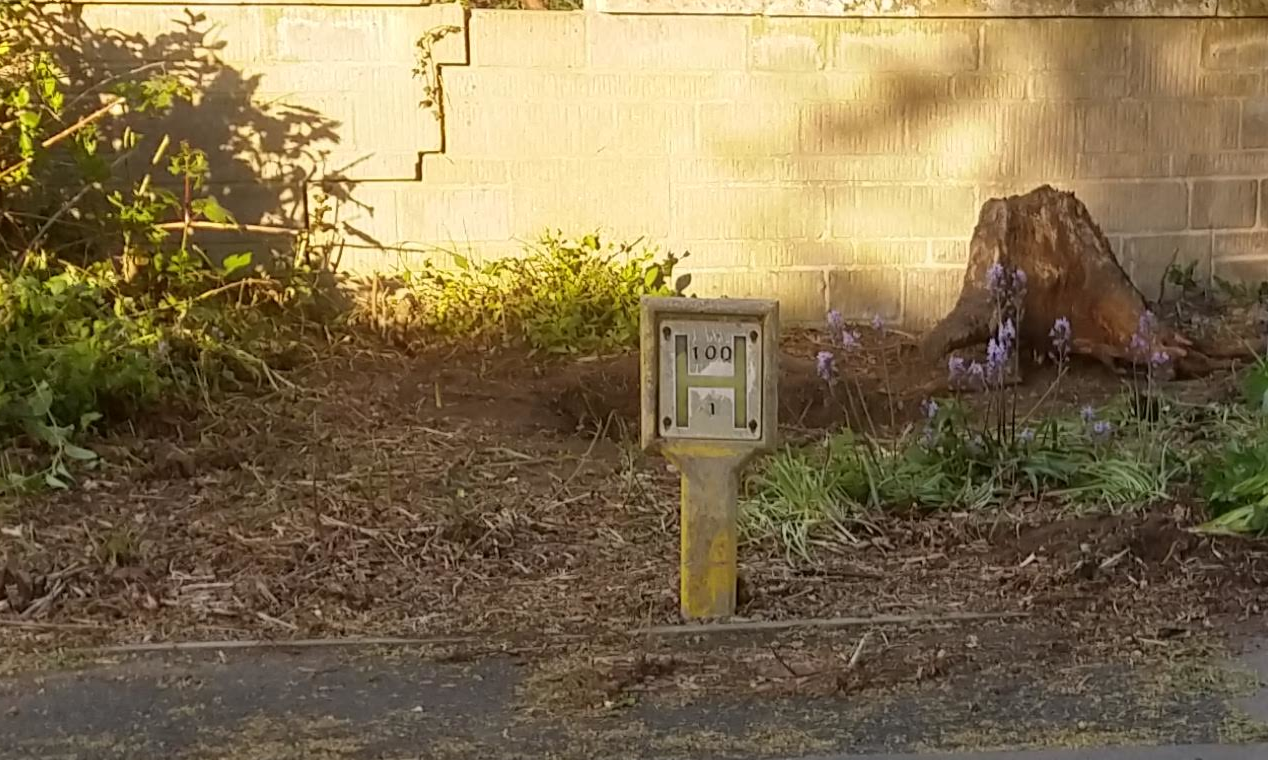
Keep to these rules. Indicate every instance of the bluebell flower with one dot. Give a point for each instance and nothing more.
(1148, 323)
(996, 358)
(1026, 435)
(1061, 334)
(996, 353)
(1007, 333)
(1019, 281)
(1143, 339)
(995, 277)
(825, 365)
(1088, 413)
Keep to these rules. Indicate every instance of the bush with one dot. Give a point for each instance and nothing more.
(106, 301)
(564, 296)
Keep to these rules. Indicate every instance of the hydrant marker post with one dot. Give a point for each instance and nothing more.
(709, 370)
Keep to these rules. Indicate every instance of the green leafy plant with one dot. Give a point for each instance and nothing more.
(564, 296)
(1241, 292)
(106, 301)
(427, 70)
(1255, 386)
(799, 492)
(1126, 455)
(1235, 485)
(1182, 277)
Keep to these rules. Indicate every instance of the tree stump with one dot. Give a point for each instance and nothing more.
(1071, 272)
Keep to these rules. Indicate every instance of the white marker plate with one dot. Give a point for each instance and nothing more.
(710, 379)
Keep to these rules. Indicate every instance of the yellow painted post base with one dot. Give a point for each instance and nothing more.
(710, 514)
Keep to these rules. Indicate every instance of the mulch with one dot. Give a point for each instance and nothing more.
(494, 495)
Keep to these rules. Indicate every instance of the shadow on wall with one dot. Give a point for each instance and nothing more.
(916, 123)
(261, 155)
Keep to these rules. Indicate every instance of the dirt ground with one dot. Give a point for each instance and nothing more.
(504, 498)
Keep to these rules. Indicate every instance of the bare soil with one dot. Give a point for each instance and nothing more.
(503, 497)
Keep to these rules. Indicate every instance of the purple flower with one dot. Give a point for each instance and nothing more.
(878, 324)
(835, 320)
(931, 408)
(928, 437)
(1007, 333)
(996, 353)
(1060, 333)
(1148, 324)
(1026, 435)
(995, 277)
(1142, 340)
(825, 365)
(1102, 429)
(1159, 358)
(850, 340)
(1006, 285)
(1088, 414)
(961, 375)
(996, 358)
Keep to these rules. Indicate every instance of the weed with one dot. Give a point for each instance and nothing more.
(1239, 293)
(564, 296)
(1183, 277)
(428, 70)
(798, 491)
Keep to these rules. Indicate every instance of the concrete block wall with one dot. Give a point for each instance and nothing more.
(287, 93)
(828, 161)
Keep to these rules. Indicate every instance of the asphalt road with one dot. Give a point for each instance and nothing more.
(313, 704)
(1190, 752)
